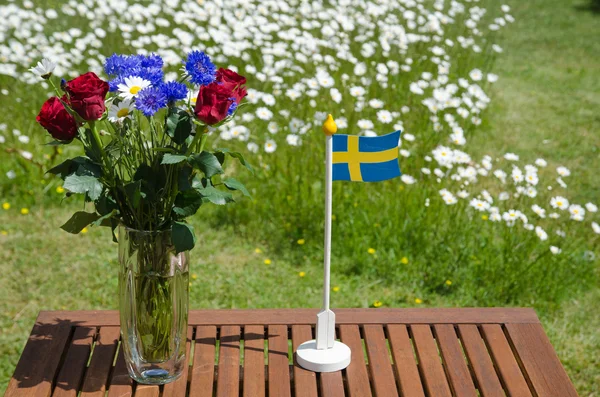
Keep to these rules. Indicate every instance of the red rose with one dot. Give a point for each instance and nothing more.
(86, 95)
(213, 103)
(215, 99)
(55, 118)
(233, 81)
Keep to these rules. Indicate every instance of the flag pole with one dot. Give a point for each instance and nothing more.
(324, 353)
(326, 318)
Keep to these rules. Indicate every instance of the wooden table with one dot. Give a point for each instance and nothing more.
(395, 352)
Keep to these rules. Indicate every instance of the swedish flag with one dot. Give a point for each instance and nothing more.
(365, 159)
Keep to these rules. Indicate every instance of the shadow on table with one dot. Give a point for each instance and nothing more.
(44, 368)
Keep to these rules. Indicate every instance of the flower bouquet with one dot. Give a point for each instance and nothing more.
(146, 169)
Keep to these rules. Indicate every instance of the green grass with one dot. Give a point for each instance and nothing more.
(544, 105)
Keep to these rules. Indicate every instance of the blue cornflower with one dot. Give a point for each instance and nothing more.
(200, 68)
(150, 100)
(113, 85)
(153, 75)
(174, 91)
(232, 107)
(152, 61)
(114, 64)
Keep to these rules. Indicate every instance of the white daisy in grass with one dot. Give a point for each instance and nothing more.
(541, 233)
(270, 146)
(120, 111)
(252, 147)
(563, 171)
(577, 212)
(538, 210)
(555, 250)
(44, 68)
(591, 207)
(559, 202)
(365, 124)
(596, 228)
(264, 113)
(131, 86)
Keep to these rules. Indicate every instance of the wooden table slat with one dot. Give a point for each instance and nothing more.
(332, 384)
(178, 388)
(407, 372)
(71, 374)
(254, 361)
(228, 377)
(147, 391)
(357, 375)
(40, 359)
(480, 360)
(305, 382)
(511, 376)
(96, 376)
(203, 370)
(382, 375)
(539, 360)
(121, 385)
(455, 365)
(279, 373)
(432, 372)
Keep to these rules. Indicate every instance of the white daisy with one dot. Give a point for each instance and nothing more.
(270, 146)
(293, 140)
(44, 68)
(538, 210)
(409, 180)
(591, 207)
(131, 87)
(563, 171)
(596, 228)
(264, 114)
(120, 111)
(252, 147)
(555, 250)
(559, 202)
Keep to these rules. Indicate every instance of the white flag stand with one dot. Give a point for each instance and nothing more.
(325, 354)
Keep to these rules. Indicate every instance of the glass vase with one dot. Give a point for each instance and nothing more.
(153, 305)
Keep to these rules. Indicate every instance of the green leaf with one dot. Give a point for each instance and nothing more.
(234, 184)
(179, 125)
(183, 237)
(63, 169)
(78, 221)
(106, 203)
(216, 196)
(184, 178)
(133, 191)
(173, 158)
(238, 156)
(187, 203)
(105, 220)
(83, 184)
(207, 163)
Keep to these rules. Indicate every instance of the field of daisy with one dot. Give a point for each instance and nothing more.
(497, 204)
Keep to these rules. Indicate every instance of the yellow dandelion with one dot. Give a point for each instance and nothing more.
(371, 251)
(301, 274)
(336, 289)
(377, 303)
(24, 211)
(484, 217)
(257, 250)
(355, 205)
(6, 206)
(301, 241)
(84, 230)
(4, 233)
(194, 276)
(267, 261)
(448, 282)
(418, 301)
(60, 190)
(404, 260)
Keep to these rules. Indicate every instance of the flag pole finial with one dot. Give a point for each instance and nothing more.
(329, 126)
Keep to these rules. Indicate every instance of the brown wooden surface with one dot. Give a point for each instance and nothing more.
(395, 352)
(407, 372)
(305, 382)
(357, 374)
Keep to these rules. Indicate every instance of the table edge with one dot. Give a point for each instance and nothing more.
(308, 316)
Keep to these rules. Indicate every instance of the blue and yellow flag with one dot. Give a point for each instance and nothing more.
(365, 159)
